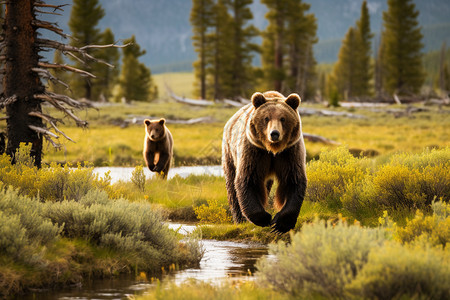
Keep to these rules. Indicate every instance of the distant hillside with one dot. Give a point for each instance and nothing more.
(162, 26)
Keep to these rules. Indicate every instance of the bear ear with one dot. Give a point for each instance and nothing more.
(147, 122)
(293, 100)
(162, 121)
(258, 99)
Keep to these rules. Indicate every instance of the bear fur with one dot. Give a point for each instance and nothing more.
(158, 146)
(261, 142)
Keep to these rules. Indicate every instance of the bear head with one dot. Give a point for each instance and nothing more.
(275, 124)
(155, 130)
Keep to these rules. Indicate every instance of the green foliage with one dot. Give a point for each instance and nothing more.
(135, 81)
(331, 175)
(214, 212)
(324, 264)
(433, 230)
(288, 62)
(369, 265)
(401, 65)
(404, 272)
(352, 73)
(84, 18)
(138, 178)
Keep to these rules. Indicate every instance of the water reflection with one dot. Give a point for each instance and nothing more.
(222, 260)
(124, 173)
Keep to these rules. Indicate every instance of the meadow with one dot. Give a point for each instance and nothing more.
(62, 223)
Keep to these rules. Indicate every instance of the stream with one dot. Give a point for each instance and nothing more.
(222, 260)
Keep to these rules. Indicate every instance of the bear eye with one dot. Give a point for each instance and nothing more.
(266, 119)
(282, 119)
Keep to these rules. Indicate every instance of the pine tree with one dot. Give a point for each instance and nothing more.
(135, 81)
(353, 72)
(344, 72)
(402, 44)
(242, 48)
(300, 38)
(218, 53)
(362, 86)
(287, 49)
(107, 76)
(60, 86)
(201, 18)
(84, 18)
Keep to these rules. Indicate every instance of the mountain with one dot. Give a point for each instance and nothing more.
(162, 27)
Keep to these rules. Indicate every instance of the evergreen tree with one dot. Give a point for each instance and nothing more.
(300, 37)
(84, 18)
(218, 54)
(201, 18)
(287, 49)
(362, 85)
(242, 48)
(344, 72)
(402, 44)
(135, 81)
(59, 87)
(107, 76)
(352, 72)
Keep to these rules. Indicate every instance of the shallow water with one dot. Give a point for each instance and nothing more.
(124, 173)
(222, 260)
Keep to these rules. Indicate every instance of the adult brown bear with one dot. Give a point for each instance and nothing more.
(158, 146)
(261, 142)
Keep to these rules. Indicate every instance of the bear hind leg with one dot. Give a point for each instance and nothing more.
(230, 174)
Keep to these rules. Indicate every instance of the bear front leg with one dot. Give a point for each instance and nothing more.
(162, 162)
(293, 194)
(149, 159)
(251, 193)
(230, 173)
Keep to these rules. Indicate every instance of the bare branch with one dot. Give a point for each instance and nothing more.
(7, 101)
(60, 105)
(55, 7)
(47, 12)
(72, 102)
(4, 118)
(66, 67)
(52, 122)
(43, 131)
(47, 75)
(50, 26)
(57, 146)
(105, 46)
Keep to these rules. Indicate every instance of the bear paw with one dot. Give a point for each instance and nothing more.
(283, 223)
(262, 219)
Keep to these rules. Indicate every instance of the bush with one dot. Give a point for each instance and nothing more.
(404, 272)
(330, 176)
(214, 212)
(407, 181)
(433, 230)
(327, 257)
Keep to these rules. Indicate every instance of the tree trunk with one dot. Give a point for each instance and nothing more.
(20, 81)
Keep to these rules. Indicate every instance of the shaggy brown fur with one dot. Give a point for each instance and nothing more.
(158, 147)
(261, 142)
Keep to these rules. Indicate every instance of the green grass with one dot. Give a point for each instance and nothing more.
(181, 83)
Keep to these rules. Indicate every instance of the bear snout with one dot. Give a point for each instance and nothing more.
(274, 135)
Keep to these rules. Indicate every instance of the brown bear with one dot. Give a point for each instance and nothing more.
(263, 141)
(158, 146)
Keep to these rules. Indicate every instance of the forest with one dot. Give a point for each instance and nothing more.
(375, 219)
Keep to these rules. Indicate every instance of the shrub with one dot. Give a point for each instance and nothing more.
(404, 272)
(327, 257)
(433, 230)
(138, 178)
(330, 176)
(407, 181)
(214, 212)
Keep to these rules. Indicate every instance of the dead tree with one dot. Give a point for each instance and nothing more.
(24, 92)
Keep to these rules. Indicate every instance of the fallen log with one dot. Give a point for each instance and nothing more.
(318, 139)
(328, 113)
(199, 102)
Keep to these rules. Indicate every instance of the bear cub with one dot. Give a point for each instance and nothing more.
(158, 146)
(263, 142)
